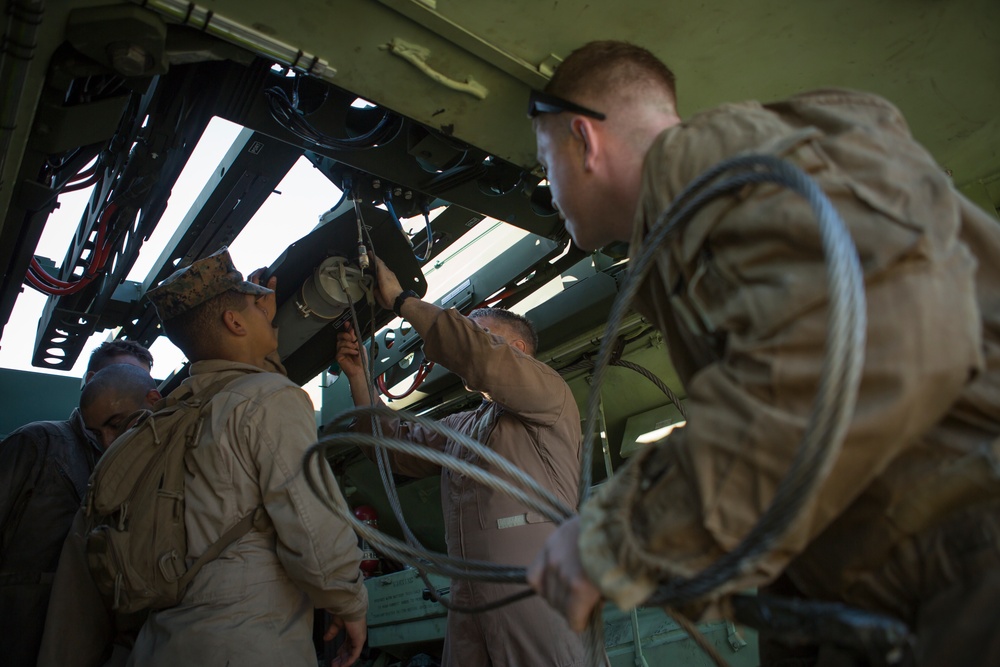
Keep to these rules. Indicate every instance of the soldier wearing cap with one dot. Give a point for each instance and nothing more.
(254, 603)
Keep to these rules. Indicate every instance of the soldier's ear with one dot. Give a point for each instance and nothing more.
(152, 396)
(234, 323)
(584, 129)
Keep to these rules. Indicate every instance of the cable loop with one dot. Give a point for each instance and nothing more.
(839, 379)
(819, 447)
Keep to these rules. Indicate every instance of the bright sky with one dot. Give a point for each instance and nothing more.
(305, 193)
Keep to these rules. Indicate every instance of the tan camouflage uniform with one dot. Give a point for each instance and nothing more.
(907, 521)
(532, 421)
(253, 605)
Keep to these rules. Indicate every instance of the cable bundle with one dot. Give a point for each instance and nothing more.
(286, 111)
(38, 278)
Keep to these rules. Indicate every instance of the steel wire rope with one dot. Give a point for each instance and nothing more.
(384, 465)
(837, 393)
(829, 417)
(471, 470)
(839, 377)
(641, 370)
(412, 551)
(417, 552)
(381, 457)
(533, 495)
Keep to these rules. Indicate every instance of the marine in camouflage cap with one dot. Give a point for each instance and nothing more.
(195, 284)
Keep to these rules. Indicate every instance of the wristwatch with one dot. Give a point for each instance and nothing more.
(403, 296)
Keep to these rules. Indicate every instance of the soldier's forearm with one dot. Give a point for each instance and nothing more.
(420, 314)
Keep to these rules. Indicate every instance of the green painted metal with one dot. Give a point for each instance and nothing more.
(985, 193)
(663, 642)
(402, 622)
(939, 61)
(28, 397)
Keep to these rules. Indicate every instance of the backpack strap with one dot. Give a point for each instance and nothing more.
(236, 532)
(184, 393)
(244, 525)
(209, 392)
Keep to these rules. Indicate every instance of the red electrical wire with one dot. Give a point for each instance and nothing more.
(97, 262)
(493, 299)
(37, 283)
(422, 373)
(38, 278)
(39, 273)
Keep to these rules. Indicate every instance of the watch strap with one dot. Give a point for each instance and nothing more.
(403, 296)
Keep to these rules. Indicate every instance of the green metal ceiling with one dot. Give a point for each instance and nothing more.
(938, 60)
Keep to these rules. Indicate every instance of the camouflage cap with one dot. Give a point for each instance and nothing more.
(197, 283)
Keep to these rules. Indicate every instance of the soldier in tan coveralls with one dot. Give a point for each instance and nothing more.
(253, 605)
(529, 417)
(908, 521)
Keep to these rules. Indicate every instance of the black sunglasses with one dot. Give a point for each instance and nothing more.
(539, 102)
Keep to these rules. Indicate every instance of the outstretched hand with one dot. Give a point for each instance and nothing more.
(354, 640)
(557, 575)
(387, 286)
(349, 353)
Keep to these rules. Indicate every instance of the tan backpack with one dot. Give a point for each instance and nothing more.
(136, 538)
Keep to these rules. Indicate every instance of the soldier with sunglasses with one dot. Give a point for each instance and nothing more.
(907, 522)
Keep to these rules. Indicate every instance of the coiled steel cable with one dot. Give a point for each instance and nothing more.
(415, 553)
(641, 370)
(825, 430)
(839, 377)
(532, 495)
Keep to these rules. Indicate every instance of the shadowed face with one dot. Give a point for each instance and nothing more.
(562, 155)
(501, 329)
(108, 416)
(259, 323)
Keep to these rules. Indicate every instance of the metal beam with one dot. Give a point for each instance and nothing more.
(244, 179)
(154, 139)
(479, 182)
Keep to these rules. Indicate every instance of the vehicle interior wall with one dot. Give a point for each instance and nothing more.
(425, 101)
(29, 397)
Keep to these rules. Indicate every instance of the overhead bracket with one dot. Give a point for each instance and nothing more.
(417, 56)
(424, 13)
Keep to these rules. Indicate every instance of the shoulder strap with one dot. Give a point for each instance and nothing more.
(244, 525)
(217, 386)
(236, 532)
